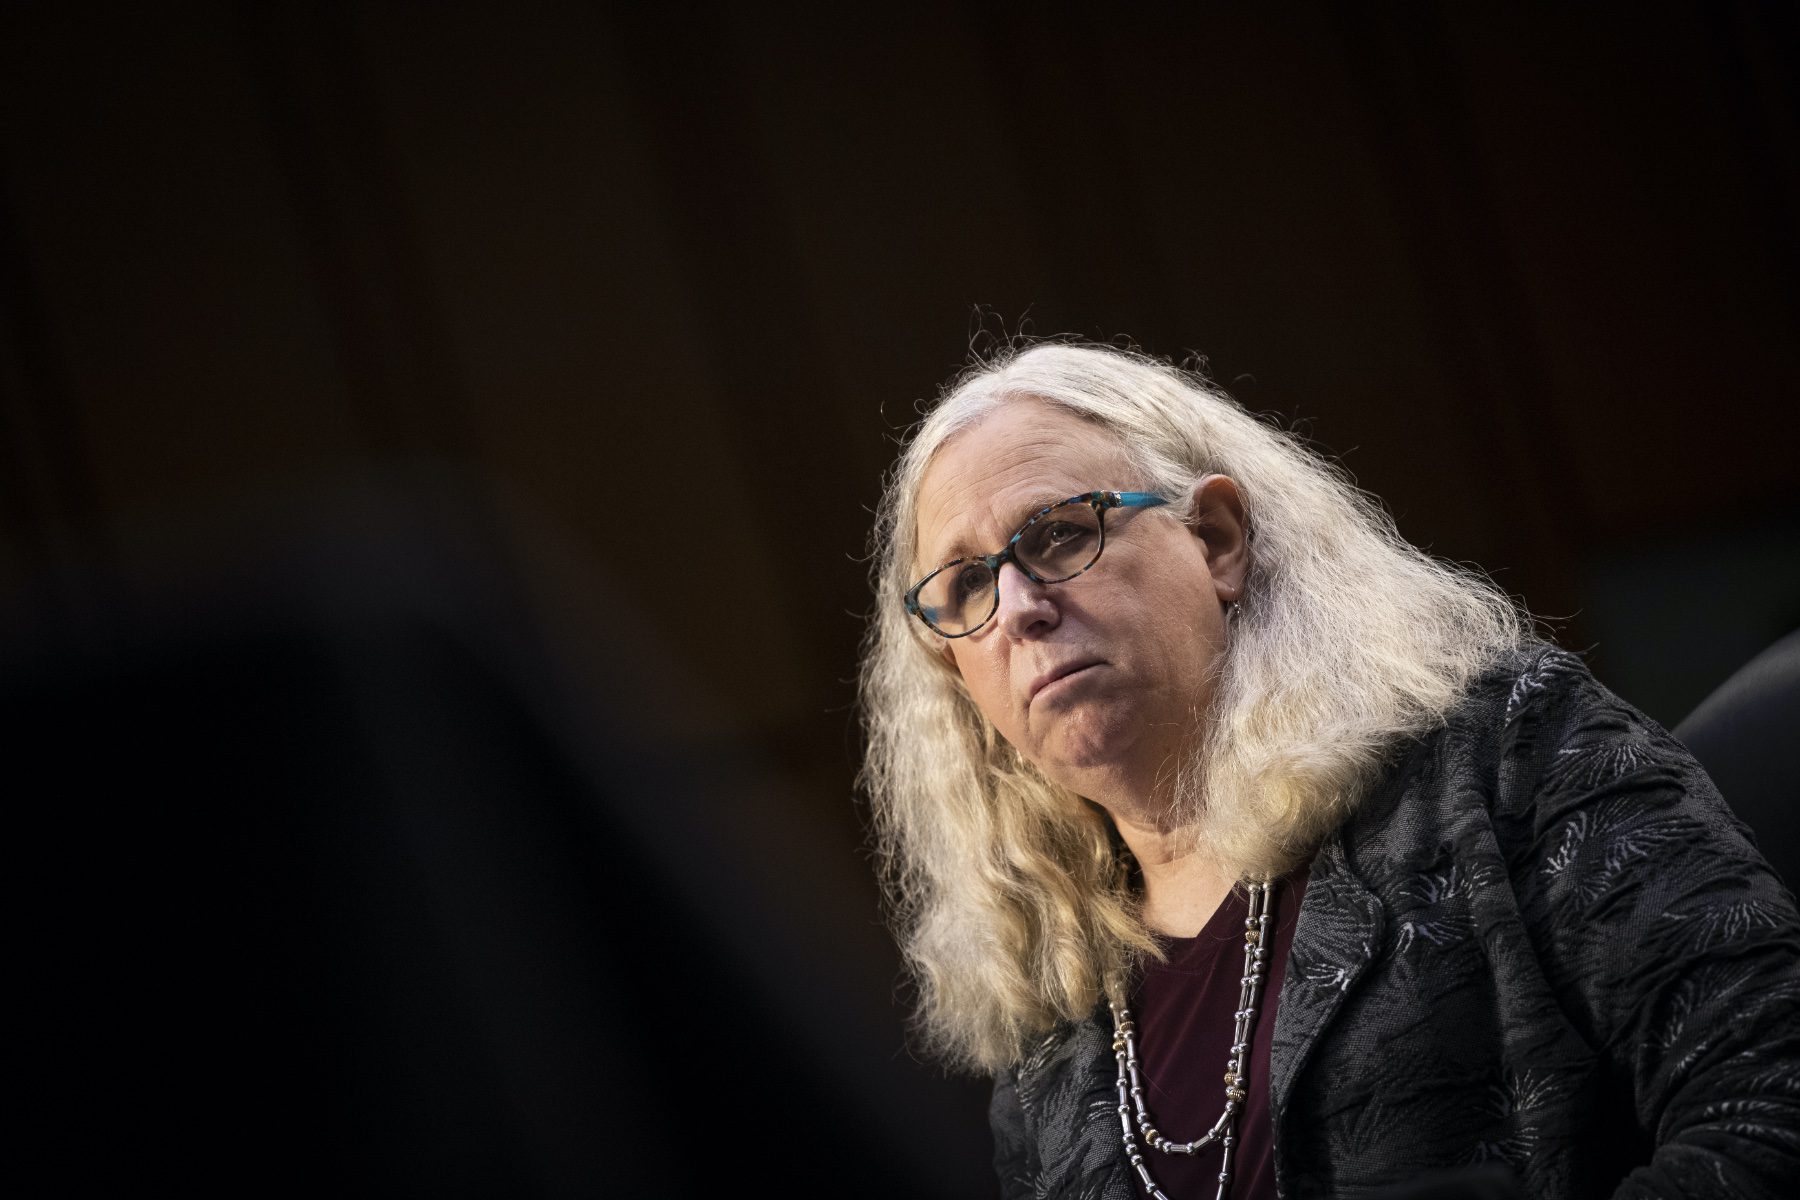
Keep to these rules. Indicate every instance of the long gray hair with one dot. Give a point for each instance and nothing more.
(1010, 896)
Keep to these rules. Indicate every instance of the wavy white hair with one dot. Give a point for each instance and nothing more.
(1011, 897)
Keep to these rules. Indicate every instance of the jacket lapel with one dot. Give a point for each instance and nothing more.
(1335, 941)
(1067, 1087)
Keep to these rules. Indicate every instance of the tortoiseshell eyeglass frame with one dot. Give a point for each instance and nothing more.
(1099, 501)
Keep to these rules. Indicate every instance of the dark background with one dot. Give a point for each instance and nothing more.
(571, 341)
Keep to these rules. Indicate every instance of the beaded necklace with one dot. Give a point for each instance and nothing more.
(1134, 1117)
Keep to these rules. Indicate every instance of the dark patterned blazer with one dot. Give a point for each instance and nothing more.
(1542, 941)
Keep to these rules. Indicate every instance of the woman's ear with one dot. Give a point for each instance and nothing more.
(1217, 519)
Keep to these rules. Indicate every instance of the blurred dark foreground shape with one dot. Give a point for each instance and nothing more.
(1744, 735)
(332, 879)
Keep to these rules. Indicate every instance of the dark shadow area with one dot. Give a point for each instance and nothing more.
(342, 881)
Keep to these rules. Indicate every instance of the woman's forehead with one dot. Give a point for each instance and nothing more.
(988, 477)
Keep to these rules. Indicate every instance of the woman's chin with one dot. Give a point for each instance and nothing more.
(1086, 747)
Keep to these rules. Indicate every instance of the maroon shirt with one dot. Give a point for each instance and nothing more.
(1183, 1010)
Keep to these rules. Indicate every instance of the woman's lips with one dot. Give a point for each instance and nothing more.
(1056, 675)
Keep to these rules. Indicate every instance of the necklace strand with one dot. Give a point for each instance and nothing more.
(1134, 1116)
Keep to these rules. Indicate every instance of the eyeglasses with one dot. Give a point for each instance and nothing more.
(1054, 545)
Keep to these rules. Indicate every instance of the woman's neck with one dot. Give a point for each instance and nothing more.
(1182, 885)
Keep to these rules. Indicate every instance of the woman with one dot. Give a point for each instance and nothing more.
(1248, 848)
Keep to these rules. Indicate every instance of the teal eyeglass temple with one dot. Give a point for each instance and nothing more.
(1100, 502)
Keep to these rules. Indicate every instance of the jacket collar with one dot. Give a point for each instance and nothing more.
(1335, 941)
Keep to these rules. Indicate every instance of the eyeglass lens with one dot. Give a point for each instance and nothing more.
(1056, 546)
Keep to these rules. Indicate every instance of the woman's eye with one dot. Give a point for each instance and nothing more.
(969, 582)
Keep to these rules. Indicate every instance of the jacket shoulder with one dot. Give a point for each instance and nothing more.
(1054, 1117)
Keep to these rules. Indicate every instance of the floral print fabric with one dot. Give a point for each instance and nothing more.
(1543, 941)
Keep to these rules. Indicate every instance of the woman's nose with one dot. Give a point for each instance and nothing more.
(1026, 607)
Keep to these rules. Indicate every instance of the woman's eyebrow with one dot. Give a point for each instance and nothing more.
(1037, 502)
